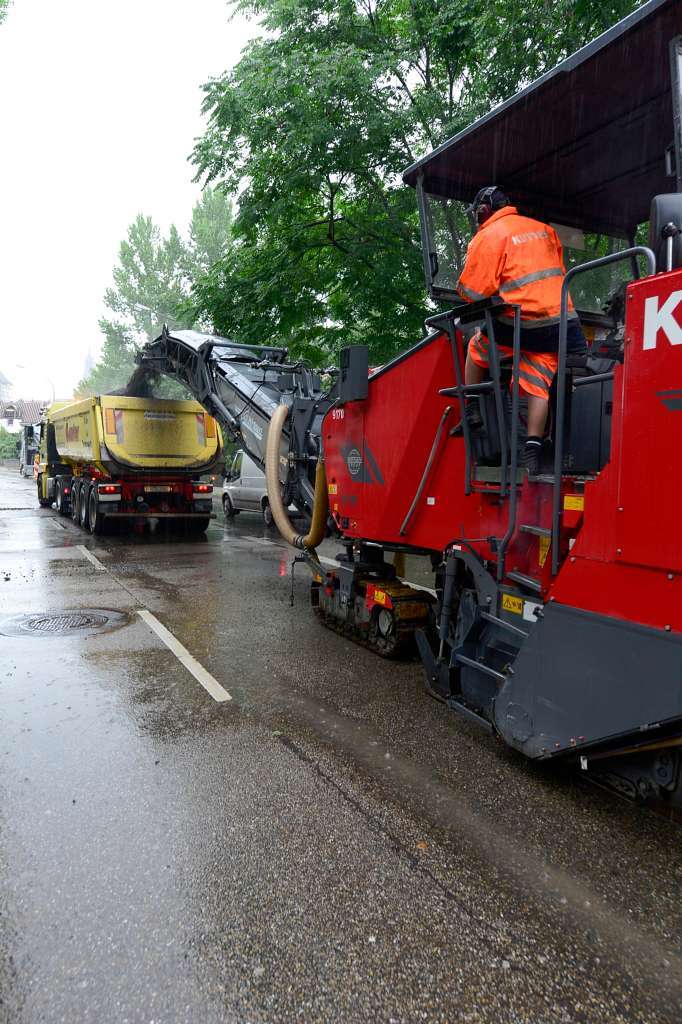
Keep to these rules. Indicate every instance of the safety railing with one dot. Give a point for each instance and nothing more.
(626, 254)
(447, 322)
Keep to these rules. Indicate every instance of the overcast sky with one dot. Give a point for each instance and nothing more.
(100, 105)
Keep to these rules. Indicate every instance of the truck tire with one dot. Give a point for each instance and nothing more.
(96, 518)
(75, 501)
(83, 517)
(61, 500)
(43, 502)
(267, 515)
(228, 508)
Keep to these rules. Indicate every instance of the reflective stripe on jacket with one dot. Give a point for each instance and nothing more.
(519, 259)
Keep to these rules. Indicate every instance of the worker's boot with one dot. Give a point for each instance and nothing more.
(474, 420)
(531, 455)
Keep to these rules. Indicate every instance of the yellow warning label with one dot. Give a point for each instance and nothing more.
(332, 488)
(380, 597)
(543, 548)
(512, 604)
(574, 502)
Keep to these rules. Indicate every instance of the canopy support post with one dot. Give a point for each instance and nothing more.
(676, 90)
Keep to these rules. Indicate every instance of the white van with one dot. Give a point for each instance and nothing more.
(244, 489)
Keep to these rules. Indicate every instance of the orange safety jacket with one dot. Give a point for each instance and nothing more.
(521, 260)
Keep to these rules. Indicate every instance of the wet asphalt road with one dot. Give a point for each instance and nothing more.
(327, 846)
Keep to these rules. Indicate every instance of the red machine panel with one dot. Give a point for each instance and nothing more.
(376, 451)
(650, 485)
(627, 557)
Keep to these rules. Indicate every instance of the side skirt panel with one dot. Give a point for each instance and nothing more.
(581, 678)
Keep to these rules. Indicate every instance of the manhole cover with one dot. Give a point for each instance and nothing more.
(64, 623)
(83, 622)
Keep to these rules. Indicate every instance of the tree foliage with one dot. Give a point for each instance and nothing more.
(152, 284)
(312, 129)
(9, 444)
(4, 8)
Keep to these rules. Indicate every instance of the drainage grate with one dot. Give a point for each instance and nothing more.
(81, 622)
(64, 623)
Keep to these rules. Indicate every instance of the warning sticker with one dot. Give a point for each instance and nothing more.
(543, 548)
(574, 503)
(512, 604)
(332, 488)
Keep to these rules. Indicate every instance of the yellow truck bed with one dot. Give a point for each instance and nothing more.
(120, 434)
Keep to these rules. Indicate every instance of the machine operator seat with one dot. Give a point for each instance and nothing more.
(665, 231)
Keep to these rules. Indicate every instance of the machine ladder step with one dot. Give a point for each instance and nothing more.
(529, 582)
(480, 667)
(538, 531)
(542, 478)
(468, 389)
(503, 624)
(492, 474)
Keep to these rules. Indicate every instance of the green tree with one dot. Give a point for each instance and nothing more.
(312, 129)
(9, 444)
(115, 364)
(4, 8)
(210, 232)
(152, 283)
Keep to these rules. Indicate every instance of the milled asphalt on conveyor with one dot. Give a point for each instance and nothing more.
(330, 845)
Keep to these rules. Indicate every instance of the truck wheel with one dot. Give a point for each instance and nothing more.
(83, 517)
(75, 502)
(267, 515)
(95, 518)
(61, 500)
(43, 502)
(228, 508)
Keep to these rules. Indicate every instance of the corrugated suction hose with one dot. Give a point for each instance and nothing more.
(279, 513)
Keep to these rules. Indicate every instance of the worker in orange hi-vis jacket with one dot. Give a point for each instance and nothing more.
(521, 261)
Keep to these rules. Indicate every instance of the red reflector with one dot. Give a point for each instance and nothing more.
(203, 488)
(109, 488)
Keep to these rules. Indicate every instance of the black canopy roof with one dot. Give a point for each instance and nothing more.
(585, 143)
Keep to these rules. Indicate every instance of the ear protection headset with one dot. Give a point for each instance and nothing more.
(487, 201)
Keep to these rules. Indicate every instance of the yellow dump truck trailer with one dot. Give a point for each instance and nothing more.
(111, 457)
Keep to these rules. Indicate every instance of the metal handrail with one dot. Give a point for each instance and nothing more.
(596, 378)
(513, 444)
(494, 370)
(466, 429)
(616, 257)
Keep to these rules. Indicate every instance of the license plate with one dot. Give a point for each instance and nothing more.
(158, 489)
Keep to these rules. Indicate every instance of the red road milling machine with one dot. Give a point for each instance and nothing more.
(557, 621)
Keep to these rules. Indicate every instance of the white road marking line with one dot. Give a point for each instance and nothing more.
(91, 558)
(211, 685)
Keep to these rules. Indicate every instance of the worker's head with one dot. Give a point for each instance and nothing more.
(488, 200)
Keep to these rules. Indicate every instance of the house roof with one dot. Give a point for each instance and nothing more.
(26, 410)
